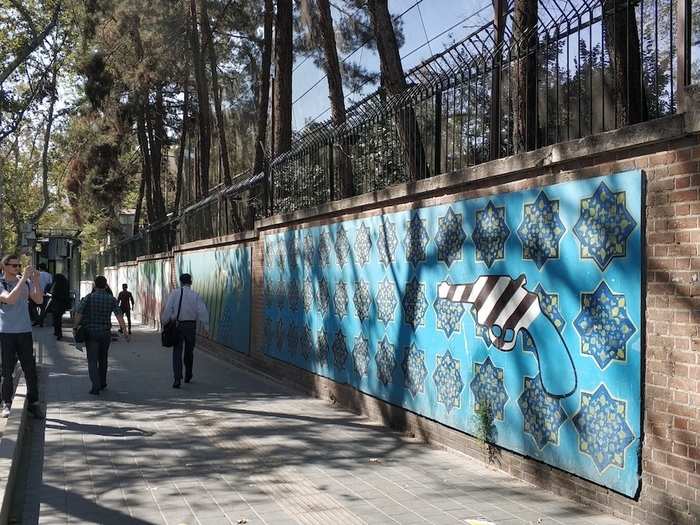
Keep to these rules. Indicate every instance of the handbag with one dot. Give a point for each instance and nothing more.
(169, 336)
(80, 331)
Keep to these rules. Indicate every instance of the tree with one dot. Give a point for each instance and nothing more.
(202, 85)
(264, 90)
(624, 50)
(283, 77)
(394, 81)
(524, 77)
(317, 14)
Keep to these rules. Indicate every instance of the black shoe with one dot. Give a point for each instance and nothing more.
(94, 392)
(188, 379)
(176, 384)
(103, 386)
(35, 410)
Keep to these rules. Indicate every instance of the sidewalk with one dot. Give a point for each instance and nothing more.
(234, 448)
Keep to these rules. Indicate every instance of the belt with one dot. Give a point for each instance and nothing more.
(186, 321)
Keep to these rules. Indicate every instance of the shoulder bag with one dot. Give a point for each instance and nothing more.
(80, 331)
(169, 335)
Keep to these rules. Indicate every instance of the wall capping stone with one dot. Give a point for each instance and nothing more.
(234, 238)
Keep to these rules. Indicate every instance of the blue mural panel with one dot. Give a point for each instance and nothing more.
(528, 303)
(223, 278)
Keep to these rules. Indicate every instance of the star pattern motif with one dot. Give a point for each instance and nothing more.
(306, 342)
(342, 246)
(340, 350)
(488, 389)
(360, 356)
(603, 432)
(414, 370)
(604, 325)
(541, 230)
(307, 295)
(363, 245)
(292, 339)
(414, 303)
(322, 347)
(448, 380)
(323, 297)
(603, 226)
(324, 249)
(309, 250)
(448, 315)
(490, 234)
(386, 360)
(386, 301)
(362, 299)
(416, 240)
(543, 414)
(450, 237)
(387, 243)
(340, 299)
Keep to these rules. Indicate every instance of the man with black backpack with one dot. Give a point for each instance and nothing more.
(94, 317)
(16, 340)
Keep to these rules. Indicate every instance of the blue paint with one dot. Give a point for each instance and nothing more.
(369, 307)
(223, 278)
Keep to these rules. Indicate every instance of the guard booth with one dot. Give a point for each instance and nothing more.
(59, 250)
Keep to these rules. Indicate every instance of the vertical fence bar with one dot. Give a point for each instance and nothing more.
(683, 58)
(331, 172)
(438, 132)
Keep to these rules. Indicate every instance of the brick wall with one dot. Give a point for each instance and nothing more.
(669, 154)
(670, 488)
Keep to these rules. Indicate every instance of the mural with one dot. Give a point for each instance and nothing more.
(153, 288)
(526, 304)
(223, 278)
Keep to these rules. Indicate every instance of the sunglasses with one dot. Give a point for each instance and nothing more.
(14, 265)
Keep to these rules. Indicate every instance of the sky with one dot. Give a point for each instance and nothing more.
(437, 16)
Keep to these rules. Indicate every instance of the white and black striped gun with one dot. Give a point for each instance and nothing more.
(505, 308)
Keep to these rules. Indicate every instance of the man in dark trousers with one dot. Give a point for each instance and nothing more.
(16, 331)
(126, 303)
(95, 314)
(187, 308)
(45, 282)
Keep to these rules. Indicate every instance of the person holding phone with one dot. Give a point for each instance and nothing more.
(16, 289)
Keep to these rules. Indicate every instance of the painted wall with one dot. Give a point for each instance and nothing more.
(152, 290)
(223, 278)
(357, 301)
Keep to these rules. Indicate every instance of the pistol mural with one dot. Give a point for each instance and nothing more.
(505, 308)
(551, 279)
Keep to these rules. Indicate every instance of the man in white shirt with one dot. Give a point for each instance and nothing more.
(187, 308)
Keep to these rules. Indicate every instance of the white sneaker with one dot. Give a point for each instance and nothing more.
(5, 410)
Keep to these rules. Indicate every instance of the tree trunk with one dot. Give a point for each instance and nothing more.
(622, 43)
(283, 80)
(141, 134)
(264, 93)
(139, 200)
(45, 164)
(524, 79)
(183, 142)
(394, 82)
(335, 91)
(156, 134)
(208, 40)
(200, 77)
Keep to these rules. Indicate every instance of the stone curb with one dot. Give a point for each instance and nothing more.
(11, 447)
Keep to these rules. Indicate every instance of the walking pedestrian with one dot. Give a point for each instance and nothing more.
(45, 281)
(16, 331)
(94, 313)
(59, 303)
(126, 303)
(186, 308)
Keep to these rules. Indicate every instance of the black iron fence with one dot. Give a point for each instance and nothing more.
(585, 67)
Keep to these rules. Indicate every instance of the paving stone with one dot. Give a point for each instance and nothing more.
(233, 445)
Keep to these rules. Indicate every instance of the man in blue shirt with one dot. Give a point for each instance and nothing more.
(16, 331)
(95, 313)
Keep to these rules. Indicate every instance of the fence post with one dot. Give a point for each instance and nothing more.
(331, 171)
(683, 47)
(437, 169)
(495, 120)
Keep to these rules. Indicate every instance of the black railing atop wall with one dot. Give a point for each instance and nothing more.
(587, 67)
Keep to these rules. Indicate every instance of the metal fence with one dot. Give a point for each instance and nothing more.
(588, 66)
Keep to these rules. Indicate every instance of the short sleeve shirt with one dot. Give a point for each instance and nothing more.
(97, 309)
(14, 318)
(125, 299)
